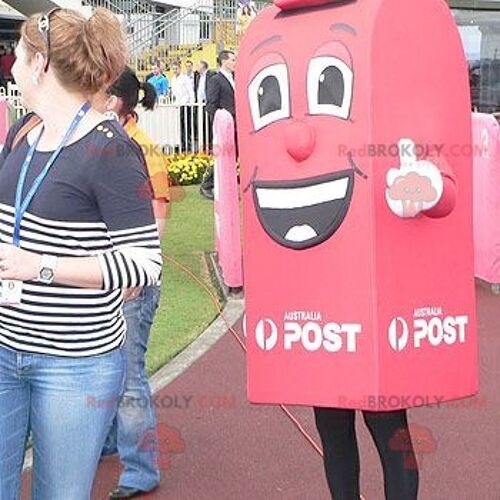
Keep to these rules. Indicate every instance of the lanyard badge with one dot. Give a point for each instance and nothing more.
(10, 292)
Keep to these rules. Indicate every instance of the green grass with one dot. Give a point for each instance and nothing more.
(185, 308)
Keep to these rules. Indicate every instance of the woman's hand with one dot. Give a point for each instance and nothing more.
(131, 293)
(18, 264)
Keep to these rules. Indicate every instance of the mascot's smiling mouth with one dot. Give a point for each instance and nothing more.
(304, 213)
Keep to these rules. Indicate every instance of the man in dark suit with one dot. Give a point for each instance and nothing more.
(220, 88)
(201, 77)
(220, 95)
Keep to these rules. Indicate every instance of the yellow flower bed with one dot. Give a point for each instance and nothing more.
(187, 169)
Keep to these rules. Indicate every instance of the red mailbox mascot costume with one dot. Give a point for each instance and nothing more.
(354, 121)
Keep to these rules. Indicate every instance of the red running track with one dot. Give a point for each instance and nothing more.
(235, 451)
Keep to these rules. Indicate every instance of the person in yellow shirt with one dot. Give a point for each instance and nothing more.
(157, 169)
(133, 434)
(244, 16)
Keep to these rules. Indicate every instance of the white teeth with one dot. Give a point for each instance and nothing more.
(301, 233)
(282, 198)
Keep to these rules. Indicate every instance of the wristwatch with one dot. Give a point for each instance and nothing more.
(47, 269)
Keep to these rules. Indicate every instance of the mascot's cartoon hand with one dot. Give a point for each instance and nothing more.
(415, 186)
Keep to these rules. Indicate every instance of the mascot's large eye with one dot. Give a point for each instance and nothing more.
(329, 87)
(269, 95)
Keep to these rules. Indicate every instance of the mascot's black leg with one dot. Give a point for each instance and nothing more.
(390, 432)
(340, 449)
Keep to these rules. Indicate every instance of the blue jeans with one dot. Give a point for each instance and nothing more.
(69, 405)
(133, 433)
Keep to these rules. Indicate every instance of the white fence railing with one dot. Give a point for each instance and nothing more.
(11, 93)
(174, 128)
(178, 128)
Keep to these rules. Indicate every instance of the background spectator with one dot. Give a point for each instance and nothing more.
(190, 73)
(245, 14)
(2, 78)
(6, 63)
(159, 81)
(200, 88)
(200, 83)
(220, 88)
(220, 95)
(183, 94)
(140, 470)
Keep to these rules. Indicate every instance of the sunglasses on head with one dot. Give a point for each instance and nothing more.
(44, 29)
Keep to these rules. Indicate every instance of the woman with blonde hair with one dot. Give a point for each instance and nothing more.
(72, 236)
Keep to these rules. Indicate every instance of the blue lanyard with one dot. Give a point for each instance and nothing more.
(22, 205)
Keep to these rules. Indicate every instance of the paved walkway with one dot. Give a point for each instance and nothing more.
(224, 449)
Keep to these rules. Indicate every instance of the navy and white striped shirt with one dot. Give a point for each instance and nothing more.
(91, 203)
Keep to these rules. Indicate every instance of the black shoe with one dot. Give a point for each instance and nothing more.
(207, 193)
(126, 492)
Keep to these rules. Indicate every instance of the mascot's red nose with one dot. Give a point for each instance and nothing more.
(300, 140)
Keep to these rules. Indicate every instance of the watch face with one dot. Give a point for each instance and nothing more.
(46, 274)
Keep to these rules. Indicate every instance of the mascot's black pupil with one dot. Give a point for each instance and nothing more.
(269, 95)
(331, 86)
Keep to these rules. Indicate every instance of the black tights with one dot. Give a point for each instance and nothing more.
(389, 430)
